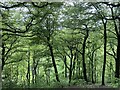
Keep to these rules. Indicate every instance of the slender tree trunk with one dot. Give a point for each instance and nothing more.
(0, 74)
(33, 71)
(78, 68)
(65, 67)
(34, 68)
(110, 75)
(118, 54)
(84, 64)
(89, 71)
(17, 72)
(104, 63)
(92, 65)
(54, 63)
(47, 75)
(28, 71)
(83, 56)
(70, 70)
(65, 72)
(95, 70)
(96, 73)
(117, 73)
(92, 72)
(36, 74)
(3, 57)
(74, 64)
(79, 71)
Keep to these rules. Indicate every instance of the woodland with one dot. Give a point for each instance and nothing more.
(60, 44)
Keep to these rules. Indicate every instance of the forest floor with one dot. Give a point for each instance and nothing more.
(90, 86)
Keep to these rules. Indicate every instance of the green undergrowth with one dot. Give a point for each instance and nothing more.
(62, 84)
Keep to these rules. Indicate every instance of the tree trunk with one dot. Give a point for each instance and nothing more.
(0, 75)
(117, 30)
(110, 75)
(104, 64)
(47, 73)
(70, 70)
(65, 67)
(17, 73)
(3, 57)
(117, 73)
(89, 71)
(84, 64)
(74, 64)
(28, 70)
(54, 63)
(92, 71)
(92, 65)
(95, 63)
(83, 56)
(33, 70)
(78, 68)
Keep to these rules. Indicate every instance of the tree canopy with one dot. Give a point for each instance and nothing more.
(60, 44)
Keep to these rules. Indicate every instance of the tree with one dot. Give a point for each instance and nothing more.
(47, 44)
(46, 34)
(115, 17)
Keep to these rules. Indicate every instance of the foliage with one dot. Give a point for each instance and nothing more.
(58, 44)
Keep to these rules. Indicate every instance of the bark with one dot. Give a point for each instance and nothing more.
(70, 70)
(34, 69)
(117, 73)
(92, 66)
(65, 67)
(28, 70)
(110, 70)
(78, 68)
(17, 74)
(83, 55)
(54, 63)
(13, 6)
(104, 64)
(89, 70)
(47, 74)
(3, 57)
(92, 58)
(95, 75)
(92, 72)
(33, 3)
(74, 63)
(118, 54)
(0, 79)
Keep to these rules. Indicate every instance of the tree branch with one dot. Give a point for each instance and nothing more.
(111, 55)
(110, 4)
(13, 61)
(13, 6)
(10, 47)
(33, 3)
